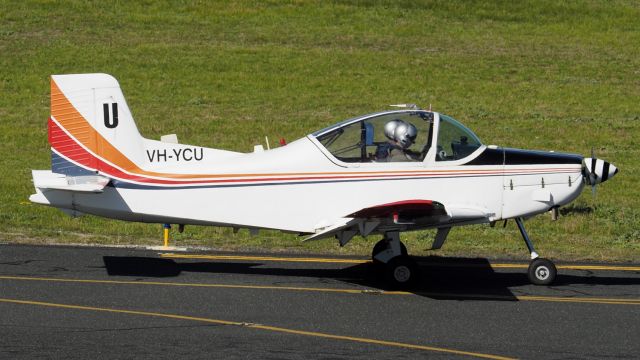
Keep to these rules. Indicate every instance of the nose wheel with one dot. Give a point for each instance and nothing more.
(541, 271)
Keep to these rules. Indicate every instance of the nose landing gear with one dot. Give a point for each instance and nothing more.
(541, 271)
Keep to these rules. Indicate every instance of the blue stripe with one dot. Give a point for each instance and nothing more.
(61, 165)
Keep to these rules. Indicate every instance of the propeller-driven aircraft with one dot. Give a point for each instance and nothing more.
(378, 174)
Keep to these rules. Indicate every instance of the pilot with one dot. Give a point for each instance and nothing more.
(382, 152)
(390, 127)
(401, 135)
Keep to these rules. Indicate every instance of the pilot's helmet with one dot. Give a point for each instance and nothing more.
(405, 134)
(390, 128)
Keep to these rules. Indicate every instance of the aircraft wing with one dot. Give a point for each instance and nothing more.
(402, 215)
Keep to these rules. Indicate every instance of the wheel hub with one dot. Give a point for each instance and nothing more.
(542, 272)
(402, 274)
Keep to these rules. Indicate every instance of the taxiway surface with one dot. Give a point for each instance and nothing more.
(110, 303)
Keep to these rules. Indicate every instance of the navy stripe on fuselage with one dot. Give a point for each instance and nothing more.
(128, 185)
(509, 156)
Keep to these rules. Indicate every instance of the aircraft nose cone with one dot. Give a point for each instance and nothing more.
(598, 170)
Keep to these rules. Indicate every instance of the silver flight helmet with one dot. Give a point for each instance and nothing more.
(390, 128)
(405, 134)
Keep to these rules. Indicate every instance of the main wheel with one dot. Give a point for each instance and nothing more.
(542, 272)
(401, 272)
(382, 245)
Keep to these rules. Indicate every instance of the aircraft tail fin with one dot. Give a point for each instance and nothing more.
(91, 128)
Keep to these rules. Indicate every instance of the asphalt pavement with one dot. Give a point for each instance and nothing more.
(114, 303)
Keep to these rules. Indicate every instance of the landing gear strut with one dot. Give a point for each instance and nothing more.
(541, 271)
(390, 256)
(383, 245)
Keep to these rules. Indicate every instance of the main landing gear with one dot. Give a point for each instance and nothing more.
(541, 271)
(390, 256)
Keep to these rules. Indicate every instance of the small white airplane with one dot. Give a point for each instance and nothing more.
(382, 173)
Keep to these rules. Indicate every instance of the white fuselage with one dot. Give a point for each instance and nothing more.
(102, 165)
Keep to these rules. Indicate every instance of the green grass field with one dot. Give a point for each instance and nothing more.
(549, 75)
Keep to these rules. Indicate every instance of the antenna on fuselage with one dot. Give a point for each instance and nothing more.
(406, 106)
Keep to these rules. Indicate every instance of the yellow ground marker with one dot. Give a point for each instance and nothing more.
(362, 261)
(590, 300)
(166, 228)
(258, 327)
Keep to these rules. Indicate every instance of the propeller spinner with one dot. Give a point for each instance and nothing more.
(597, 171)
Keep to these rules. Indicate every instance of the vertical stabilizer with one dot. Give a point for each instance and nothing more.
(91, 127)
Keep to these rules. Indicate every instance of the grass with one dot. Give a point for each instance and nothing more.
(550, 75)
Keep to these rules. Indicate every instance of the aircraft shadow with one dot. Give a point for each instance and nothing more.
(442, 278)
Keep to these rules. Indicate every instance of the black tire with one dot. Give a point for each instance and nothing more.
(401, 273)
(382, 245)
(542, 272)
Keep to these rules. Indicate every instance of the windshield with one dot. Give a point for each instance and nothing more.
(455, 141)
(387, 137)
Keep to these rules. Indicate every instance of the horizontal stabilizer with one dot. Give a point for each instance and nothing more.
(47, 180)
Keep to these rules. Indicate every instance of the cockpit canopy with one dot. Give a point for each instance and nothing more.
(455, 141)
(397, 136)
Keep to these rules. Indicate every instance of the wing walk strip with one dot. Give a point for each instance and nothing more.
(362, 261)
(257, 327)
(588, 300)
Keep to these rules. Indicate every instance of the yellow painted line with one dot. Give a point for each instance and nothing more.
(258, 327)
(264, 258)
(361, 261)
(573, 267)
(581, 300)
(589, 300)
(598, 267)
(226, 286)
(593, 300)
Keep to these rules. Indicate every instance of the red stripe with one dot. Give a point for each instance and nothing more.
(415, 206)
(60, 141)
